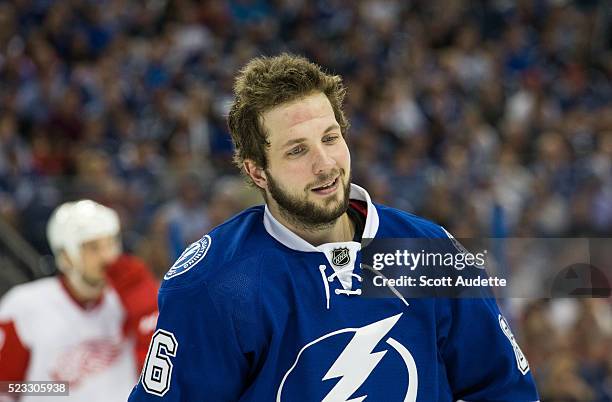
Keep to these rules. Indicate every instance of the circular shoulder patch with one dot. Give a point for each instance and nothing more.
(190, 257)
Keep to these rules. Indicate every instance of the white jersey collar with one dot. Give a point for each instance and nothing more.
(293, 241)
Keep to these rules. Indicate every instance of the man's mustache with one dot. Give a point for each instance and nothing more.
(324, 179)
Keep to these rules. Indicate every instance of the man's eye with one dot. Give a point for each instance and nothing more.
(330, 138)
(296, 151)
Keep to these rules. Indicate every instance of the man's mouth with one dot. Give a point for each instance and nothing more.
(327, 188)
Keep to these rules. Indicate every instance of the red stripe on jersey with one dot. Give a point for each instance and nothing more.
(359, 206)
(14, 356)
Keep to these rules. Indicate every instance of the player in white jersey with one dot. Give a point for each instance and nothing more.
(89, 326)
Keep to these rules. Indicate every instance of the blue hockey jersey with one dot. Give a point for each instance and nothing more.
(252, 312)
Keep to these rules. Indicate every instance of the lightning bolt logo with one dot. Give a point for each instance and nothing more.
(356, 362)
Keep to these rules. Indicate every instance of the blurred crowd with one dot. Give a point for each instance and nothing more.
(492, 118)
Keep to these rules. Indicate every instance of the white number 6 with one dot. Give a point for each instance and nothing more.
(157, 369)
(521, 360)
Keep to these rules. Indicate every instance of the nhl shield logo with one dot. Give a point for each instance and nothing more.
(341, 256)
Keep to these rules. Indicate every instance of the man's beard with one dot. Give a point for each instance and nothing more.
(306, 214)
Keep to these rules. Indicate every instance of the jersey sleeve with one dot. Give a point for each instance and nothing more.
(195, 353)
(137, 290)
(482, 358)
(14, 353)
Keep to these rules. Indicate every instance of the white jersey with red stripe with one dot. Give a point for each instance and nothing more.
(64, 341)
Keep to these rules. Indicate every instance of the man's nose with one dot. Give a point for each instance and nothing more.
(323, 162)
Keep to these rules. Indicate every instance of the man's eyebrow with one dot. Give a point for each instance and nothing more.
(293, 141)
(302, 139)
(331, 128)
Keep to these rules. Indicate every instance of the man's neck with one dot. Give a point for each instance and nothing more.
(81, 293)
(341, 230)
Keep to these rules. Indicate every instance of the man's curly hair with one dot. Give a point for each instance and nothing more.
(266, 82)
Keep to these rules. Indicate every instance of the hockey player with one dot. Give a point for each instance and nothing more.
(268, 305)
(91, 325)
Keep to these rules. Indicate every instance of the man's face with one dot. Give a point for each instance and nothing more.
(96, 255)
(308, 174)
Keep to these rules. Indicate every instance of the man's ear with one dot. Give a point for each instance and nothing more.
(256, 173)
(63, 261)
